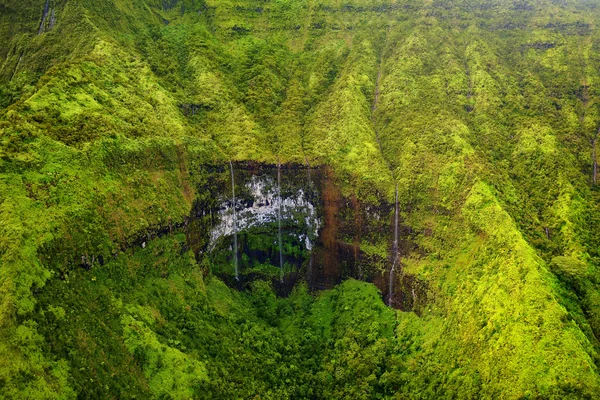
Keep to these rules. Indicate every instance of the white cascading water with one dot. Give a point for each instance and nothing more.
(308, 242)
(279, 219)
(235, 246)
(394, 251)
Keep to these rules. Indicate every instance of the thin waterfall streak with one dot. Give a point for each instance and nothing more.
(391, 287)
(394, 249)
(396, 225)
(310, 260)
(44, 15)
(235, 245)
(279, 219)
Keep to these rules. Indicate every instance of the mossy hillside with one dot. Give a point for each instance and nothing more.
(549, 197)
(101, 94)
(68, 207)
(116, 330)
(479, 284)
(438, 157)
(32, 49)
(252, 63)
(347, 109)
(512, 88)
(535, 284)
(449, 272)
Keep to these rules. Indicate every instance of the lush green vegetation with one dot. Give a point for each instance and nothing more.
(484, 112)
(156, 327)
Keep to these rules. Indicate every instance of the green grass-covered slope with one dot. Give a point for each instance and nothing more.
(485, 114)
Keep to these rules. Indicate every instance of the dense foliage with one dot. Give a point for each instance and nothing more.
(155, 327)
(485, 114)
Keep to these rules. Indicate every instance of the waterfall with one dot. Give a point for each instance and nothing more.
(235, 245)
(44, 15)
(309, 188)
(52, 20)
(594, 159)
(394, 251)
(279, 219)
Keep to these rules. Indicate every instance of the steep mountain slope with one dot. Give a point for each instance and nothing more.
(117, 117)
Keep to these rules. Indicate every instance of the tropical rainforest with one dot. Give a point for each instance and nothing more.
(299, 199)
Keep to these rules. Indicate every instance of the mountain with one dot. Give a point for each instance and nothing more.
(299, 199)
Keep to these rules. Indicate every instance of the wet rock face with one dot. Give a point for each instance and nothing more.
(322, 230)
(351, 230)
(262, 204)
(259, 203)
(325, 237)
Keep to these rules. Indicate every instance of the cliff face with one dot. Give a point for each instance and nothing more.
(120, 121)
